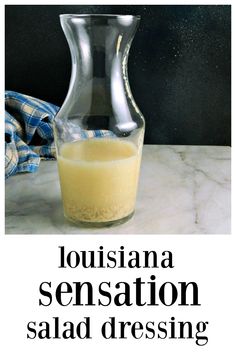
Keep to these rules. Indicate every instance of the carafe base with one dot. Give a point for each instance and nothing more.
(89, 224)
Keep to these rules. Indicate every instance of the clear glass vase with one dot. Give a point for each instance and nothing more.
(99, 129)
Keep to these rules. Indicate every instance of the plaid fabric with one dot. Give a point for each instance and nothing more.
(29, 132)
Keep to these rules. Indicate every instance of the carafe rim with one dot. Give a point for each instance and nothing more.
(111, 16)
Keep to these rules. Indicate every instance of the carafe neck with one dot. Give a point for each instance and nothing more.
(99, 46)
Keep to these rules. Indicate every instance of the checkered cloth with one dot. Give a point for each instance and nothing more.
(28, 132)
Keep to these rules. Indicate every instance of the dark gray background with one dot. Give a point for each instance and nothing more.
(179, 65)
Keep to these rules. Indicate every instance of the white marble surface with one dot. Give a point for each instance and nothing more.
(182, 190)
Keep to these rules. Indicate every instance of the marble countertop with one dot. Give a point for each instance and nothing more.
(182, 190)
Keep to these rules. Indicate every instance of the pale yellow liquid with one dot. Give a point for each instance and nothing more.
(98, 179)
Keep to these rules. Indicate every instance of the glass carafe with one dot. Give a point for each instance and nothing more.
(99, 129)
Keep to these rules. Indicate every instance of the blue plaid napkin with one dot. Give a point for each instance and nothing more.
(28, 132)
